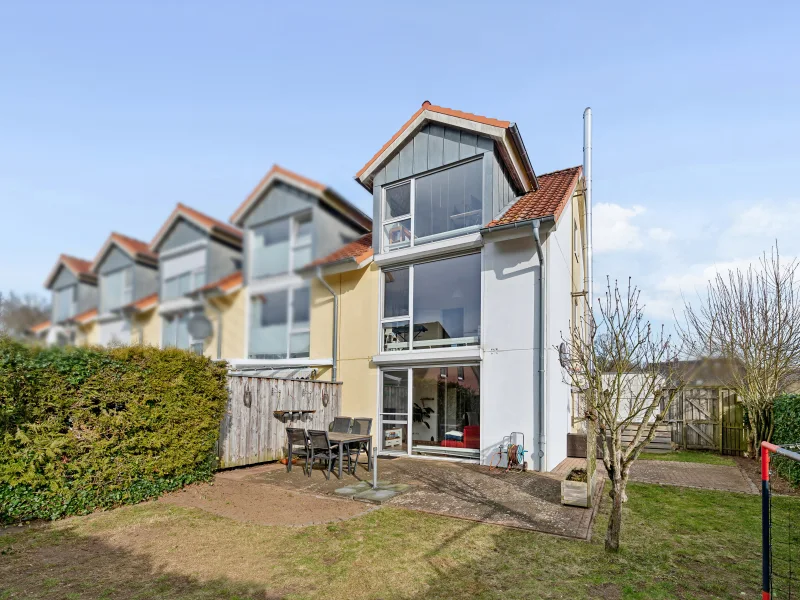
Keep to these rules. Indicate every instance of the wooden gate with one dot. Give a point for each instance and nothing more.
(253, 429)
(733, 434)
(707, 418)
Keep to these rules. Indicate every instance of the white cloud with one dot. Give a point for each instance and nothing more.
(766, 219)
(659, 234)
(613, 228)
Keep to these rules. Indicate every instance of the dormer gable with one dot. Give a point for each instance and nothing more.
(283, 192)
(449, 135)
(69, 270)
(186, 225)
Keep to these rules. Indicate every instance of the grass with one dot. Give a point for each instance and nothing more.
(676, 543)
(691, 456)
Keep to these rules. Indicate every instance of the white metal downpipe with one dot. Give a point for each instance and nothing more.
(587, 244)
(541, 430)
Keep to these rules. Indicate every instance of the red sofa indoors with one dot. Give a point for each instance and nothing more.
(472, 438)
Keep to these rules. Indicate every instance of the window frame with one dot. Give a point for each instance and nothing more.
(173, 343)
(291, 329)
(193, 283)
(293, 221)
(412, 182)
(408, 422)
(126, 291)
(410, 316)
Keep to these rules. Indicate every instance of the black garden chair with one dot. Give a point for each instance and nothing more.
(298, 446)
(322, 450)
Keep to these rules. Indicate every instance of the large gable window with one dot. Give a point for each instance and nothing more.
(434, 206)
(432, 305)
(116, 289)
(66, 302)
(281, 246)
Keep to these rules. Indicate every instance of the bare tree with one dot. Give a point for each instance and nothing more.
(20, 313)
(752, 319)
(624, 369)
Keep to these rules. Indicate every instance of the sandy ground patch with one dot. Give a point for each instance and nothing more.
(256, 502)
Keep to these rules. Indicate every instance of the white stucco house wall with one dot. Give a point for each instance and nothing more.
(481, 268)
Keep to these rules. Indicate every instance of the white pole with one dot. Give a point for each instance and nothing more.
(587, 175)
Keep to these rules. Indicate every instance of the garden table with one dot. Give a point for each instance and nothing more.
(344, 439)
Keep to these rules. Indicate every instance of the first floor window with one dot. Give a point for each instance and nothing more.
(182, 284)
(175, 332)
(433, 304)
(431, 411)
(279, 324)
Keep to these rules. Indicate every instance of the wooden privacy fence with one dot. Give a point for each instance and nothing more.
(707, 418)
(253, 429)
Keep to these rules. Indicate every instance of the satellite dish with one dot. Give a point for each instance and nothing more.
(199, 327)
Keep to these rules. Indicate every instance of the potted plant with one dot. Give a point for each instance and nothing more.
(576, 489)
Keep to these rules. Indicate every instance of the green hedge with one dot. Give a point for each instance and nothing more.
(88, 428)
(786, 416)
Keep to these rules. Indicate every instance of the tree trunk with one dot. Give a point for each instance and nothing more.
(615, 521)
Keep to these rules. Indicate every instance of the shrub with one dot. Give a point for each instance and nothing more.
(786, 417)
(88, 428)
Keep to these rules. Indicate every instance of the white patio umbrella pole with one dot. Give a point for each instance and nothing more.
(375, 468)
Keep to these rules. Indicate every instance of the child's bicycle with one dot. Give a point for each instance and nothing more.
(515, 455)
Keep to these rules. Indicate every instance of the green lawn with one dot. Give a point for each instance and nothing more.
(677, 543)
(692, 456)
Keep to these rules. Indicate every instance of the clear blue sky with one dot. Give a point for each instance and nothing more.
(112, 112)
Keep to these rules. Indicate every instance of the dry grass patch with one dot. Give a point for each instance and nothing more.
(677, 542)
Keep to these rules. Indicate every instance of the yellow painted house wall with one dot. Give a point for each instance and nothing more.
(233, 325)
(87, 335)
(146, 328)
(578, 262)
(358, 336)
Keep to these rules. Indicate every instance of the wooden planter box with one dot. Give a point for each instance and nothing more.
(577, 493)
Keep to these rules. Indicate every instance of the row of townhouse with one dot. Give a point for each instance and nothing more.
(442, 315)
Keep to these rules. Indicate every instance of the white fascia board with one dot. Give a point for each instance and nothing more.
(432, 249)
(276, 283)
(280, 363)
(176, 304)
(432, 356)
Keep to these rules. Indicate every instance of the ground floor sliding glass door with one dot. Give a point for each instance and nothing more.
(433, 411)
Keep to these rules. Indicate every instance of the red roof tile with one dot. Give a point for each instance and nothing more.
(358, 250)
(227, 284)
(78, 266)
(554, 190)
(134, 246)
(145, 303)
(201, 219)
(39, 327)
(85, 316)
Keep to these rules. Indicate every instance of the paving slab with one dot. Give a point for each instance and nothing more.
(526, 500)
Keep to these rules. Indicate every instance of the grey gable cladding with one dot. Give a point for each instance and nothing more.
(145, 277)
(64, 278)
(181, 233)
(435, 146)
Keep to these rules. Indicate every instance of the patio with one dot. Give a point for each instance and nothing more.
(530, 501)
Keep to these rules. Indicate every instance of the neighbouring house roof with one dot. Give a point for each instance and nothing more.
(320, 190)
(40, 327)
(356, 252)
(136, 249)
(82, 269)
(504, 133)
(86, 316)
(555, 189)
(224, 286)
(142, 304)
(208, 224)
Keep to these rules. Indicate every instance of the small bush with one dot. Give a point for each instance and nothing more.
(88, 428)
(786, 416)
